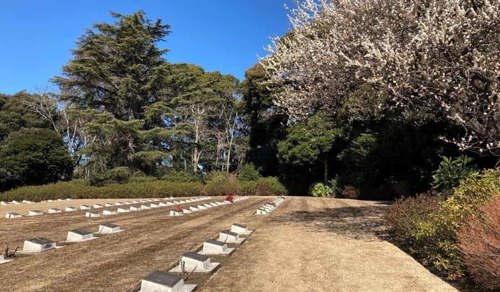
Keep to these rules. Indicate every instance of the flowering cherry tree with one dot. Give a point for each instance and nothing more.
(440, 57)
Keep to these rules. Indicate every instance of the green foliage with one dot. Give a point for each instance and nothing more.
(321, 190)
(431, 236)
(180, 176)
(248, 173)
(450, 172)
(248, 188)
(117, 66)
(222, 183)
(33, 156)
(77, 189)
(267, 186)
(310, 142)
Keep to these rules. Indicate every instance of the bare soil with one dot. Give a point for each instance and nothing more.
(315, 244)
(306, 244)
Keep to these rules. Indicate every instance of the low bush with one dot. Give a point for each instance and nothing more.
(321, 190)
(77, 189)
(479, 241)
(428, 230)
(180, 176)
(450, 172)
(350, 192)
(406, 215)
(248, 173)
(270, 185)
(221, 183)
(248, 188)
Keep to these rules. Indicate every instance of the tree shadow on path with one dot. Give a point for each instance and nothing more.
(358, 222)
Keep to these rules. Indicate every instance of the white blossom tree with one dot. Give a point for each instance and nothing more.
(435, 56)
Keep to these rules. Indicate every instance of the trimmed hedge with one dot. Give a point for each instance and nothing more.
(137, 187)
(77, 189)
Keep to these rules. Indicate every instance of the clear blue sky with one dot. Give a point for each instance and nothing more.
(225, 35)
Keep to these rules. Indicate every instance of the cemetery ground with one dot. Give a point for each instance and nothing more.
(306, 244)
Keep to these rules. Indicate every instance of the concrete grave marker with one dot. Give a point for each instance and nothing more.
(97, 206)
(135, 208)
(144, 207)
(3, 203)
(240, 229)
(118, 203)
(165, 282)
(92, 214)
(38, 245)
(70, 209)
(85, 207)
(35, 213)
(193, 208)
(107, 212)
(123, 210)
(54, 210)
(77, 235)
(152, 205)
(13, 215)
(174, 213)
(108, 228)
(195, 262)
(215, 247)
(230, 237)
(108, 205)
(3, 260)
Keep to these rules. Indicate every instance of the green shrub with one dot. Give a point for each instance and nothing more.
(33, 156)
(180, 176)
(321, 190)
(431, 236)
(270, 185)
(222, 183)
(119, 174)
(450, 172)
(405, 215)
(77, 189)
(248, 173)
(248, 188)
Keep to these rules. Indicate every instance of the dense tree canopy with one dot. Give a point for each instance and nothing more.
(33, 156)
(117, 67)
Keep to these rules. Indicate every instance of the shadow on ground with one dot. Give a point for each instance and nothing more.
(359, 222)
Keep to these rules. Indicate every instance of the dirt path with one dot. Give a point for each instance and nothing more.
(311, 244)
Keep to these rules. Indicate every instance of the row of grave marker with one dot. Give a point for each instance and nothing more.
(155, 204)
(191, 209)
(36, 245)
(40, 244)
(14, 215)
(270, 206)
(195, 262)
(14, 202)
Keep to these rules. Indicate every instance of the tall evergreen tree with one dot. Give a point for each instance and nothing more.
(117, 67)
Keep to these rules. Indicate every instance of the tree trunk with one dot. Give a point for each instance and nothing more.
(325, 172)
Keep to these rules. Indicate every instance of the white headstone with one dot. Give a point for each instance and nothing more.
(54, 210)
(92, 214)
(215, 247)
(230, 237)
(165, 282)
(35, 213)
(70, 209)
(38, 245)
(13, 215)
(85, 207)
(195, 262)
(79, 235)
(109, 228)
